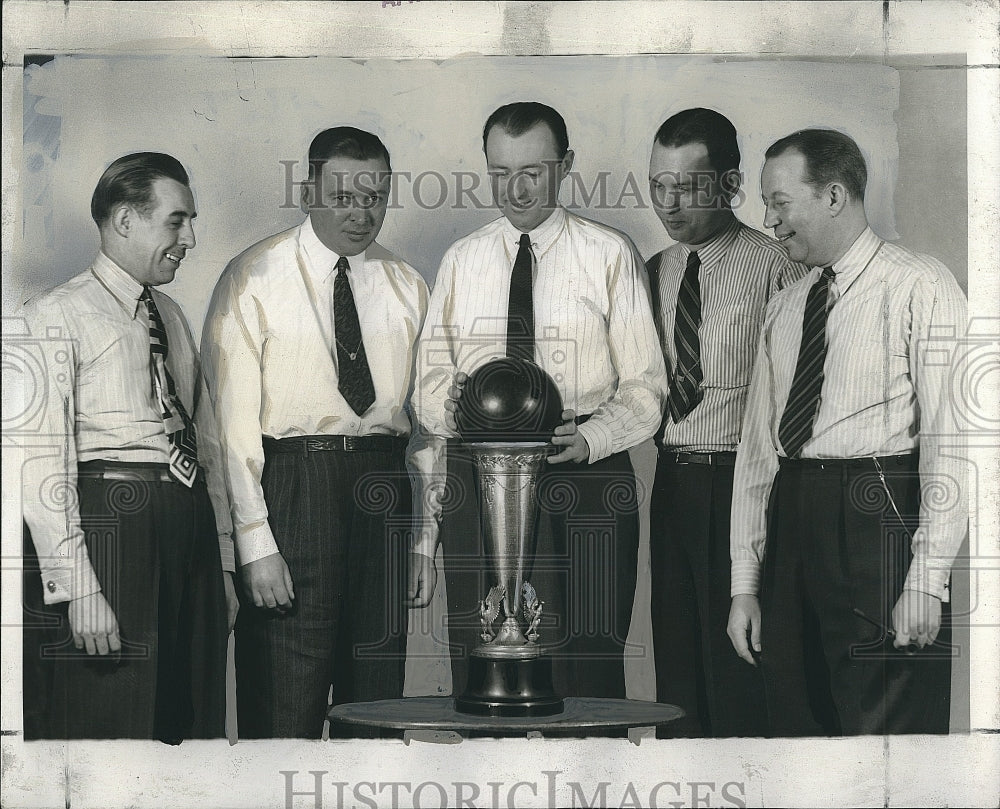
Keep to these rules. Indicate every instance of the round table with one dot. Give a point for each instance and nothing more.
(439, 713)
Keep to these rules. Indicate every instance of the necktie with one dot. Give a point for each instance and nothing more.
(176, 422)
(802, 406)
(520, 310)
(354, 375)
(685, 386)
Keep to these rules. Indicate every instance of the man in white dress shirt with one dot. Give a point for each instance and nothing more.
(128, 529)
(591, 329)
(840, 567)
(308, 348)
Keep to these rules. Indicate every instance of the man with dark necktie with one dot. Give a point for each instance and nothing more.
(546, 285)
(850, 420)
(308, 351)
(124, 497)
(709, 293)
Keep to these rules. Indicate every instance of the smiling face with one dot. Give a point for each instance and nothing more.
(157, 241)
(347, 203)
(800, 215)
(525, 174)
(688, 194)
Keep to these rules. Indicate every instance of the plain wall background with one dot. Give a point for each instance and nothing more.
(231, 122)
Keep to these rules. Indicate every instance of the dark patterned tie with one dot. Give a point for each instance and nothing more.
(354, 375)
(176, 422)
(685, 386)
(802, 406)
(520, 310)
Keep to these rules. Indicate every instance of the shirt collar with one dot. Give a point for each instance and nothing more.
(858, 256)
(541, 237)
(322, 261)
(122, 286)
(711, 253)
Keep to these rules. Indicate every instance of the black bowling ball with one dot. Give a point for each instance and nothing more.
(508, 399)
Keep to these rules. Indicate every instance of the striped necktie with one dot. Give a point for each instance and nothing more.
(176, 422)
(803, 402)
(354, 377)
(685, 385)
(520, 309)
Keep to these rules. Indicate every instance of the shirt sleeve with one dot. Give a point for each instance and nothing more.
(634, 412)
(756, 465)
(49, 479)
(938, 355)
(231, 357)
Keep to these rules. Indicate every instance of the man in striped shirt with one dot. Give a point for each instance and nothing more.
(593, 333)
(709, 290)
(125, 596)
(849, 417)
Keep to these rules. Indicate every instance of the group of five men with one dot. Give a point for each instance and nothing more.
(318, 428)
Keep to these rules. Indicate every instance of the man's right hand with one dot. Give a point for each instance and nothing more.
(451, 403)
(744, 625)
(268, 582)
(94, 624)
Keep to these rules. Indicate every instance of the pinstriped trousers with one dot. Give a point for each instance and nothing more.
(341, 521)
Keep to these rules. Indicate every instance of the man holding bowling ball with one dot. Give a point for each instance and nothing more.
(546, 286)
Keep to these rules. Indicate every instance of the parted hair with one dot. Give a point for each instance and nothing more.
(345, 141)
(708, 127)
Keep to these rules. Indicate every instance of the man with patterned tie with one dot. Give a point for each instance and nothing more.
(308, 349)
(544, 284)
(124, 499)
(849, 418)
(709, 293)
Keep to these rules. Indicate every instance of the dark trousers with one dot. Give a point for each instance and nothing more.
(697, 668)
(584, 570)
(834, 545)
(342, 522)
(154, 548)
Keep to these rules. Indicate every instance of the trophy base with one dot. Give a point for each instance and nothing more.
(509, 687)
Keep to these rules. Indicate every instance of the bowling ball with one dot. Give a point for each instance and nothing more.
(508, 399)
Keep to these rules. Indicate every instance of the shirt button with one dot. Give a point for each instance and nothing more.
(51, 585)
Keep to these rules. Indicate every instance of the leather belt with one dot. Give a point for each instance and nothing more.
(121, 470)
(336, 443)
(908, 459)
(700, 458)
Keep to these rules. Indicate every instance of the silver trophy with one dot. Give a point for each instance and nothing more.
(507, 413)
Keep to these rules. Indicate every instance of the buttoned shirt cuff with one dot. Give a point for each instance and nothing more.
(745, 577)
(227, 553)
(598, 438)
(254, 542)
(68, 581)
(926, 579)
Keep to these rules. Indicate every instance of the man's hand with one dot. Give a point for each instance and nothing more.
(423, 580)
(916, 619)
(268, 582)
(94, 625)
(232, 602)
(574, 445)
(744, 624)
(451, 403)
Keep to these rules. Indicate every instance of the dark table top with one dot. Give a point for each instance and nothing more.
(439, 713)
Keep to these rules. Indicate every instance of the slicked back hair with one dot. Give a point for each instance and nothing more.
(830, 156)
(517, 118)
(708, 127)
(129, 181)
(345, 141)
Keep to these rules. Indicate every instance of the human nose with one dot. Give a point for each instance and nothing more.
(771, 219)
(187, 239)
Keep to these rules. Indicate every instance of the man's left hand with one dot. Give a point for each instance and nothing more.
(916, 619)
(232, 601)
(574, 445)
